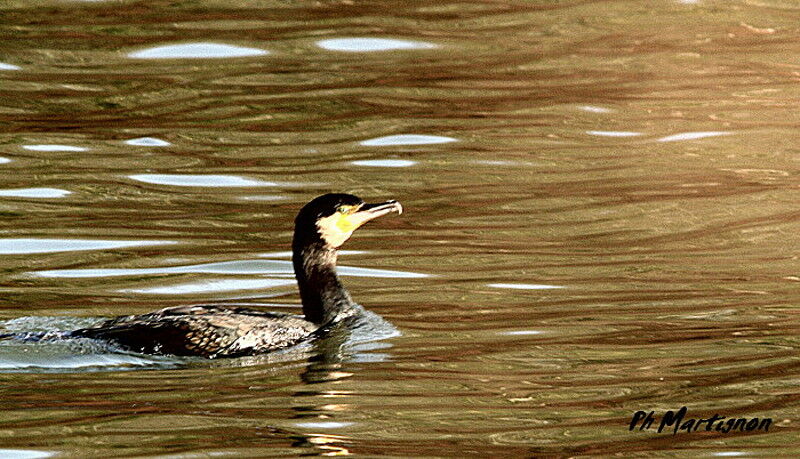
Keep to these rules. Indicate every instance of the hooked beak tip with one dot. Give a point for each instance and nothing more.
(398, 207)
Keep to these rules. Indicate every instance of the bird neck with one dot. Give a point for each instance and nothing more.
(323, 295)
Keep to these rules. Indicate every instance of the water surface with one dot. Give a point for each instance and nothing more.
(601, 217)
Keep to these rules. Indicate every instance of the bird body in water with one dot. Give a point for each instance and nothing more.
(321, 227)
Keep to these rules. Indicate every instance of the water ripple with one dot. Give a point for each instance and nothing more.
(223, 181)
(363, 45)
(73, 362)
(692, 136)
(52, 147)
(12, 246)
(520, 332)
(24, 454)
(614, 133)
(197, 51)
(407, 139)
(384, 163)
(323, 424)
(34, 193)
(214, 285)
(594, 109)
(263, 267)
(148, 142)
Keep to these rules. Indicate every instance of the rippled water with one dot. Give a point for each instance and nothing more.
(601, 217)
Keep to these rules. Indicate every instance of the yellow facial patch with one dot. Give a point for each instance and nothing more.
(337, 228)
(343, 222)
(346, 224)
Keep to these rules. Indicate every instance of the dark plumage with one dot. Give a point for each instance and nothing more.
(321, 227)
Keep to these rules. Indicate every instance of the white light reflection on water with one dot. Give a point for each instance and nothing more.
(364, 45)
(4, 160)
(148, 142)
(520, 332)
(197, 51)
(24, 454)
(38, 193)
(407, 139)
(200, 180)
(51, 147)
(385, 163)
(46, 361)
(595, 109)
(692, 135)
(614, 133)
(226, 267)
(214, 285)
(4, 66)
(14, 246)
(263, 267)
(371, 272)
(323, 424)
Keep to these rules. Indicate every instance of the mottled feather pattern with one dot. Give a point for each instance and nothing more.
(208, 331)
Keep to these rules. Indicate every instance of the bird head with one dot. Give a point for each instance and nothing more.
(332, 218)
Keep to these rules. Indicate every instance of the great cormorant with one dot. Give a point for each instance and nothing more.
(321, 227)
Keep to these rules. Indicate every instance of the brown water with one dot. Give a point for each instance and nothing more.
(640, 156)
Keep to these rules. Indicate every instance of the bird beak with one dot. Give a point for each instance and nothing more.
(376, 210)
(369, 212)
(337, 228)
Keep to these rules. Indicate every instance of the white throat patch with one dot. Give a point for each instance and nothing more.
(336, 229)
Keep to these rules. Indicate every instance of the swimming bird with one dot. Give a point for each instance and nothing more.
(321, 227)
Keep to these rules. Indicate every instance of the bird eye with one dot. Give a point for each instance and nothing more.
(344, 209)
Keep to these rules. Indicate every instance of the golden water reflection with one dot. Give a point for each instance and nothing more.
(600, 218)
